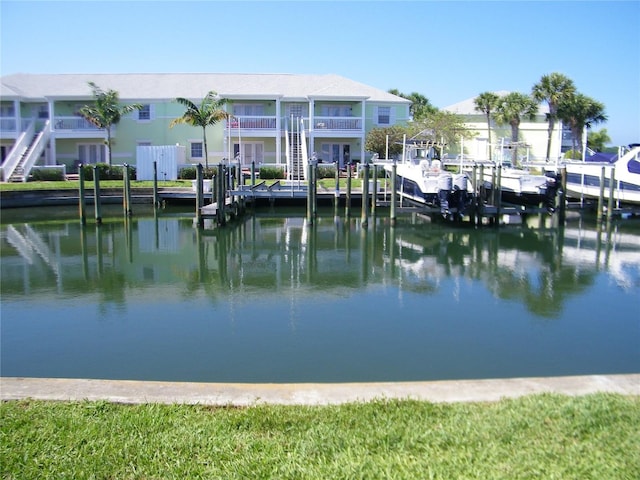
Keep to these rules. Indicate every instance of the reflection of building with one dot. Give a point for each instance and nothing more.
(39, 117)
(282, 256)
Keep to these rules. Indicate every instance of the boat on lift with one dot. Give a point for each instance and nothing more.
(422, 180)
(520, 186)
(583, 178)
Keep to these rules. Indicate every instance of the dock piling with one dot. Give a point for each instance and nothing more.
(82, 204)
(199, 196)
(392, 213)
(365, 196)
(96, 193)
(601, 196)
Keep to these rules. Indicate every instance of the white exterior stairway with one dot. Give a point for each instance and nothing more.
(25, 153)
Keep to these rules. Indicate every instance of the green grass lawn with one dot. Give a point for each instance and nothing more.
(326, 183)
(537, 437)
(74, 185)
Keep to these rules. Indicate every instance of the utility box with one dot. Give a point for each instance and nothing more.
(167, 158)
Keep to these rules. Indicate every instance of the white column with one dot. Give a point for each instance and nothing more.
(52, 158)
(278, 131)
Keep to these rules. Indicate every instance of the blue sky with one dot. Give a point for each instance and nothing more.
(447, 51)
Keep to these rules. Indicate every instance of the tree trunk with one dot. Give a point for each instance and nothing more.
(206, 155)
(549, 133)
(489, 134)
(515, 131)
(109, 145)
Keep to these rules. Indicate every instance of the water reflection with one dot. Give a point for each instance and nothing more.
(276, 255)
(272, 299)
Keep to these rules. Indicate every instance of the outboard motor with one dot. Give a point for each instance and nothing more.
(445, 183)
(460, 194)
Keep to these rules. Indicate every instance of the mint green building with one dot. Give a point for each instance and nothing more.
(40, 124)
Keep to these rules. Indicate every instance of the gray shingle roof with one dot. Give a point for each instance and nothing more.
(141, 86)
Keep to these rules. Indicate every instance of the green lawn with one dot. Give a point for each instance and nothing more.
(537, 437)
(326, 183)
(74, 185)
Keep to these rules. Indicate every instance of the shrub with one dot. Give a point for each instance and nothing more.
(271, 173)
(46, 175)
(189, 173)
(106, 172)
(326, 171)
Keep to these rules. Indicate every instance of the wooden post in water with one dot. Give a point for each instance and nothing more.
(476, 191)
(199, 196)
(562, 196)
(365, 196)
(314, 183)
(310, 194)
(392, 212)
(374, 193)
(498, 187)
(601, 197)
(156, 202)
(127, 191)
(612, 185)
(336, 194)
(96, 194)
(253, 173)
(480, 206)
(347, 208)
(221, 195)
(82, 206)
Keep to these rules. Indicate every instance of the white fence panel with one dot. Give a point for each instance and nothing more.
(167, 158)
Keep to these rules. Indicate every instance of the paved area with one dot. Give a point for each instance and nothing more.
(126, 391)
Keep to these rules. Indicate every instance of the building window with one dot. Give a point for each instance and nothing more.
(7, 110)
(42, 112)
(196, 150)
(336, 111)
(384, 116)
(248, 109)
(145, 112)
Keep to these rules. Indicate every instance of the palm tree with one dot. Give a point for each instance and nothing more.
(552, 88)
(420, 105)
(106, 111)
(580, 111)
(208, 113)
(511, 109)
(485, 103)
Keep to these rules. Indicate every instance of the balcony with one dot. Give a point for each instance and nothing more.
(261, 123)
(337, 125)
(77, 127)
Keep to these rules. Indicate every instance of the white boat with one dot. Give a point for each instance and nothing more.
(521, 187)
(421, 180)
(583, 178)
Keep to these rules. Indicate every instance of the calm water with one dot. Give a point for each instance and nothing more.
(270, 299)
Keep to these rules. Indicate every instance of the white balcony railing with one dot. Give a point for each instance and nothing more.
(337, 123)
(73, 123)
(253, 123)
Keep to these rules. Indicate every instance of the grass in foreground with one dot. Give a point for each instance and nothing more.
(542, 436)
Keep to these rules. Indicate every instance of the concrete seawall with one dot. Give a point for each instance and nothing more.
(232, 394)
